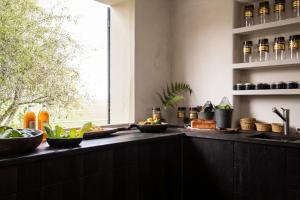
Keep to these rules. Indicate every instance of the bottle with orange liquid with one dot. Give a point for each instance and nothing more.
(43, 119)
(29, 121)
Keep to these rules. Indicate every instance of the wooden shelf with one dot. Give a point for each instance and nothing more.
(266, 92)
(271, 26)
(268, 64)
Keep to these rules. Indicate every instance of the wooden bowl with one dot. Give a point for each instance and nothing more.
(277, 128)
(11, 146)
(64, 143)
(157, 128)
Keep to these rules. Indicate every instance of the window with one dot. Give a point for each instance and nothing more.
(91, 32)
(65, 42)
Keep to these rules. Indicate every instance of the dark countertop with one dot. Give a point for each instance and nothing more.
(125, 137)
(134, 136)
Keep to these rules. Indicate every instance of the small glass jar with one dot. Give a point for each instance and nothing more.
(181, 115)
(263, 49)
(247, 51)
(249, 15)
(279, 10)
(279, 48)
(294, 46)
(193, 114)
(156, 113)
(264, 12)
(296, 8)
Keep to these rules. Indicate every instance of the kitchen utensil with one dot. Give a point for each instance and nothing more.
(64, 142)
(103, 133)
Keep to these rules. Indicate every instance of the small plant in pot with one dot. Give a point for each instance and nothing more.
(223, 114)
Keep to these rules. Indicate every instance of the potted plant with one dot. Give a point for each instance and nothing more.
(223, 114)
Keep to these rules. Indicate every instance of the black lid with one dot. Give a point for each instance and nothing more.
(279, 39)
(156, 108)
(181, 108)
(280, 1)
(294, 37)
(264, 4)
(193, 109)
(263, 41)
(249, 43)
(249, 7)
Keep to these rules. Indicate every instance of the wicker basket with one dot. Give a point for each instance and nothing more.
(277, 128)
(247, 124)
(263, 127)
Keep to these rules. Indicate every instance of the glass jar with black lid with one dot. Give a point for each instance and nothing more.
(263, 49)
(193, 114)
(249, 15)
(181, 116)
(279, 10)
(279, 48)
(247, 51)
(264, 12)
(294, 46)
(156, 113)
(296, 8)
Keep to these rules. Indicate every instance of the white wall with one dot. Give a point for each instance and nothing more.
(152, 54)
(201, 51)
(122, 62)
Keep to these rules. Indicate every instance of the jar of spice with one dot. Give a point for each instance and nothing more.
(249, 15)
(263, 49)
(279, 10)
(264, 12)
(156, 113)
(294, 46)
(279, 48)
(193, 114)
(247, 51)
(181, 115)
(296, 8)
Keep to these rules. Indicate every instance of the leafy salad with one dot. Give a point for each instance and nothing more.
(60, 133)
(8, 132)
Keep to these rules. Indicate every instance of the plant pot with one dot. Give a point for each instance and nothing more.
(223, 118)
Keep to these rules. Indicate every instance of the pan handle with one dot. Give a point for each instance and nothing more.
(131, 126)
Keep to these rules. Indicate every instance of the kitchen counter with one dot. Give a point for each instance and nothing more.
(124, 137)
(134, 136)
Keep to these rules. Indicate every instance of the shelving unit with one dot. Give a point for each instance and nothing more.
(266, 92)
(266, 72)
(269, 64)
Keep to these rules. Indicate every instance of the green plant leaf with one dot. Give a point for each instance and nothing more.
(73, 133)
(59, 131)
(49, 131)
(86, 127)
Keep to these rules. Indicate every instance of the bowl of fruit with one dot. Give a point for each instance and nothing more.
(151, 125)
(15, 141)
(65, 138)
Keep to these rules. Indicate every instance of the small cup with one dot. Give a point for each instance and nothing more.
(260, 86)
(249, 86)
(240, 86)
(281, 85)
(292, 85)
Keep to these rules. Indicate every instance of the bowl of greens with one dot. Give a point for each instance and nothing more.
(15, 141)
(65, 138)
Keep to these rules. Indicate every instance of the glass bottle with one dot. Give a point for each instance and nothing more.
(181, 116)
(156, 113)
(43, 119)
(247, 51)
(29, 120)
(263, 49)
(296, 8)
(279, 10)
(294, 46)
(279, 48)
(264, 12)
(249, 15)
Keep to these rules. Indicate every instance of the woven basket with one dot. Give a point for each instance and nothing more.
(247, 124)
(263, 127)
(277, 128)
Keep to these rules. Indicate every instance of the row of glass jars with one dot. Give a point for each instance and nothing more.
(264, 11)
(281, 49)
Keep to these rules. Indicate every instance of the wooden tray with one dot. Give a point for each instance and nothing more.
(101, 134)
